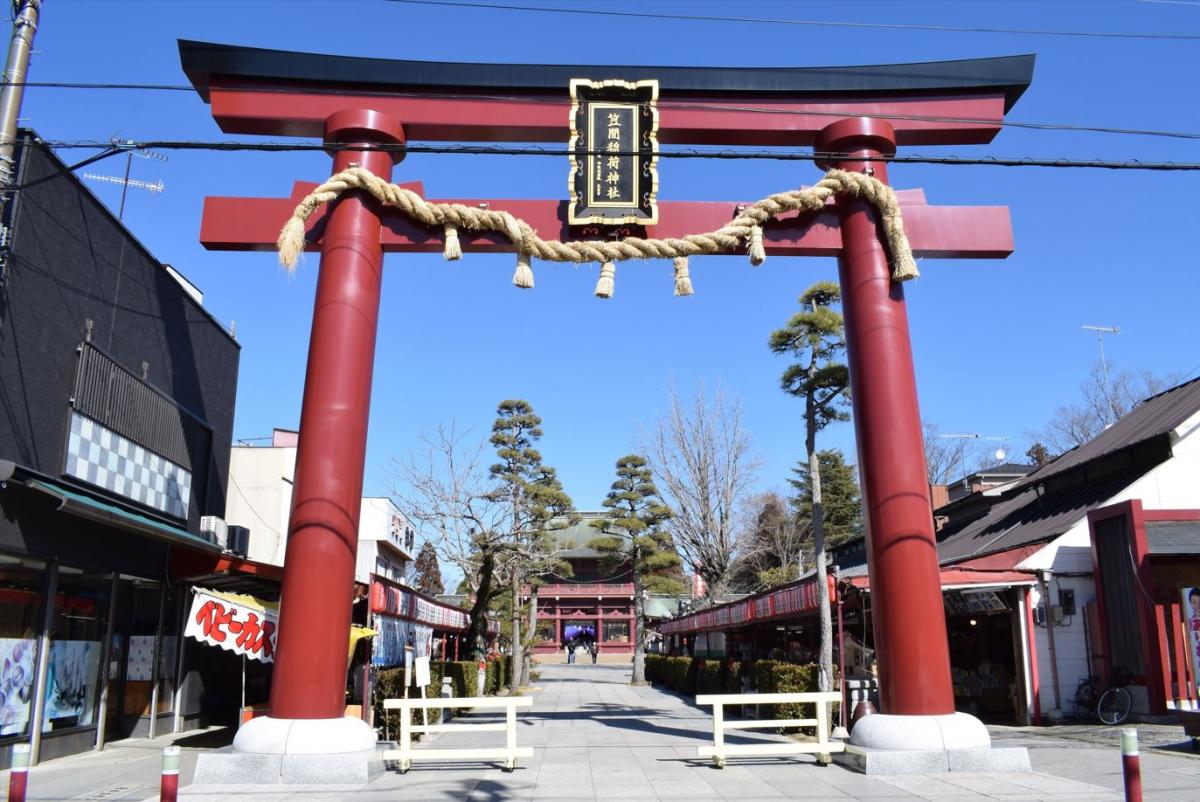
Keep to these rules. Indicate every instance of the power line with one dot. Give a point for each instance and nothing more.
(807, 22)
(661, 104)
(688, 153)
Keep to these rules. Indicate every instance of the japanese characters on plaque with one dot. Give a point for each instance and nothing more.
(613, 152)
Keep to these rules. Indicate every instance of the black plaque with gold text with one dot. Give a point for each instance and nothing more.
(614, 152)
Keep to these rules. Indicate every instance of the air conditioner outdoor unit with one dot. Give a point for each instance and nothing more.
(215, 530)
(239, 540)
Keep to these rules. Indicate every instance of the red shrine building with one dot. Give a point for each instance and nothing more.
(594, 604)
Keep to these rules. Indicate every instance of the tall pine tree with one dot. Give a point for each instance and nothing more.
(536, 498)
(815, 336)
(633, 537)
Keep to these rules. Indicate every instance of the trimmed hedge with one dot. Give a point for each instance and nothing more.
(773, 676)
(463, 674)
(698, 676)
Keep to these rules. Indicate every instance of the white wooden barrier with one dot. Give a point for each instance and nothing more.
(822, 747)
(509, 753)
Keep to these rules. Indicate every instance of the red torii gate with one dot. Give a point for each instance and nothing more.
(858, 113)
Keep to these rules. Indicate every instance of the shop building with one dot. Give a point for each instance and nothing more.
(118, 390)
(1082, 567)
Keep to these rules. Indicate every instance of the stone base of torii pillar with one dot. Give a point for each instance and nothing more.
(314, 751)
(885, 744)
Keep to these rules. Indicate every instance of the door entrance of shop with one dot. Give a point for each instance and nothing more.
(137, 612)
(986, 655)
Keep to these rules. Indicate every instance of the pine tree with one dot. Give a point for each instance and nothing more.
(634, 537)
(840, 497)
(536, 498)
(815, 336)
(428, 579)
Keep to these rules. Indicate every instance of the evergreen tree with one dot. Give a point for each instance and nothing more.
(840, 496)
(634, 537)
(815, 336)
(428, 579)
(536, 498)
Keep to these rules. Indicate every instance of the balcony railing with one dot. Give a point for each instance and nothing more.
(584, 589)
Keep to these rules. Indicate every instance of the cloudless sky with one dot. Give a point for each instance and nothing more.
(998, 344)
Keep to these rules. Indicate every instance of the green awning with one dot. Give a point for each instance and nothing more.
(76, 503)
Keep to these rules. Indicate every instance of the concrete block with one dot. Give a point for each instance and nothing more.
(348, 768)
(976, 760)
(893, 761)
(236, 768)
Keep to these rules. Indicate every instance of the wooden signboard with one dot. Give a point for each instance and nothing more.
(613, 152)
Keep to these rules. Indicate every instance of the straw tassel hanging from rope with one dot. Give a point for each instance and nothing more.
(604, 285)
(744, 231)
(683, 280)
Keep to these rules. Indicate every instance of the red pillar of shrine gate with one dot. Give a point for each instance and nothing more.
(906, 591)
(318, 586)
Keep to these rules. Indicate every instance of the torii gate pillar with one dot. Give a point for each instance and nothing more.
(910, 624)
(307, 712)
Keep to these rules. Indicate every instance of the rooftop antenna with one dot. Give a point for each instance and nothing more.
(962, 452)
(153, 188)
(1111, 414)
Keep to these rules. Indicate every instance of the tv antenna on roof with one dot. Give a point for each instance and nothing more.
(153, 188)
(1110, 415)
(962, 452)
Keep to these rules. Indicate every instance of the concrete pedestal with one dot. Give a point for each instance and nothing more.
(887, 744)
(272, 751)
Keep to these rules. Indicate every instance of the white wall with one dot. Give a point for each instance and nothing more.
(380, 543)
(260, 499)
(1171, 485)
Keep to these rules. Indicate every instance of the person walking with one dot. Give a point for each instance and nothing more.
(595, 650)
(571, 645)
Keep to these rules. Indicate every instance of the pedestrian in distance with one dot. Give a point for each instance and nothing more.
(595, 652)
(571, 650)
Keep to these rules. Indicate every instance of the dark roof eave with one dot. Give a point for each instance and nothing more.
(1008, 74)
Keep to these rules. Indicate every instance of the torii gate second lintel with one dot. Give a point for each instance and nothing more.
(353, 235)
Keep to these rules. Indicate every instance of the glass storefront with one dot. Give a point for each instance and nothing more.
(76, 666)
(76, 634)
(21, 582)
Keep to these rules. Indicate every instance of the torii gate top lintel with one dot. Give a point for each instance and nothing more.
(279, 92)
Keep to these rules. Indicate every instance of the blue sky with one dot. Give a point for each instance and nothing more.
(998, 344)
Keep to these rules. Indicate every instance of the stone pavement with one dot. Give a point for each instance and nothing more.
(597, 738)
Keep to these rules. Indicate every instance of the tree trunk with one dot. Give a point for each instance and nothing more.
(517, 647)
(825, 661)
(530, 637)
(639, 621)
(477, 633)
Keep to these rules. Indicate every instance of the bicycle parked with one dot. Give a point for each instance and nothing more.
(1109, 704)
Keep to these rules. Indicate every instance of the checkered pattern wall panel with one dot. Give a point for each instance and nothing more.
(101, 457)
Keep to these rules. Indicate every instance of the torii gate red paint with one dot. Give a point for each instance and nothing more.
(368, 100)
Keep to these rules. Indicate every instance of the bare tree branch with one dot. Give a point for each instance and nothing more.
(704, 464)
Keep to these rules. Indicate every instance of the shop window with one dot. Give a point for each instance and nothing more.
(21, 584)
(616, 632)
(76, 635)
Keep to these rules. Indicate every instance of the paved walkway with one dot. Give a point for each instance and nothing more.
(597, 738)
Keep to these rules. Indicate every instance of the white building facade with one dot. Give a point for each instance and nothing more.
(260, 499)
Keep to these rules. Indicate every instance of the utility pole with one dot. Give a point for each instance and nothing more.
(1110, 414)
(24, 27)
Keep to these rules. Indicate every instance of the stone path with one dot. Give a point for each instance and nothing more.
(597, 738)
